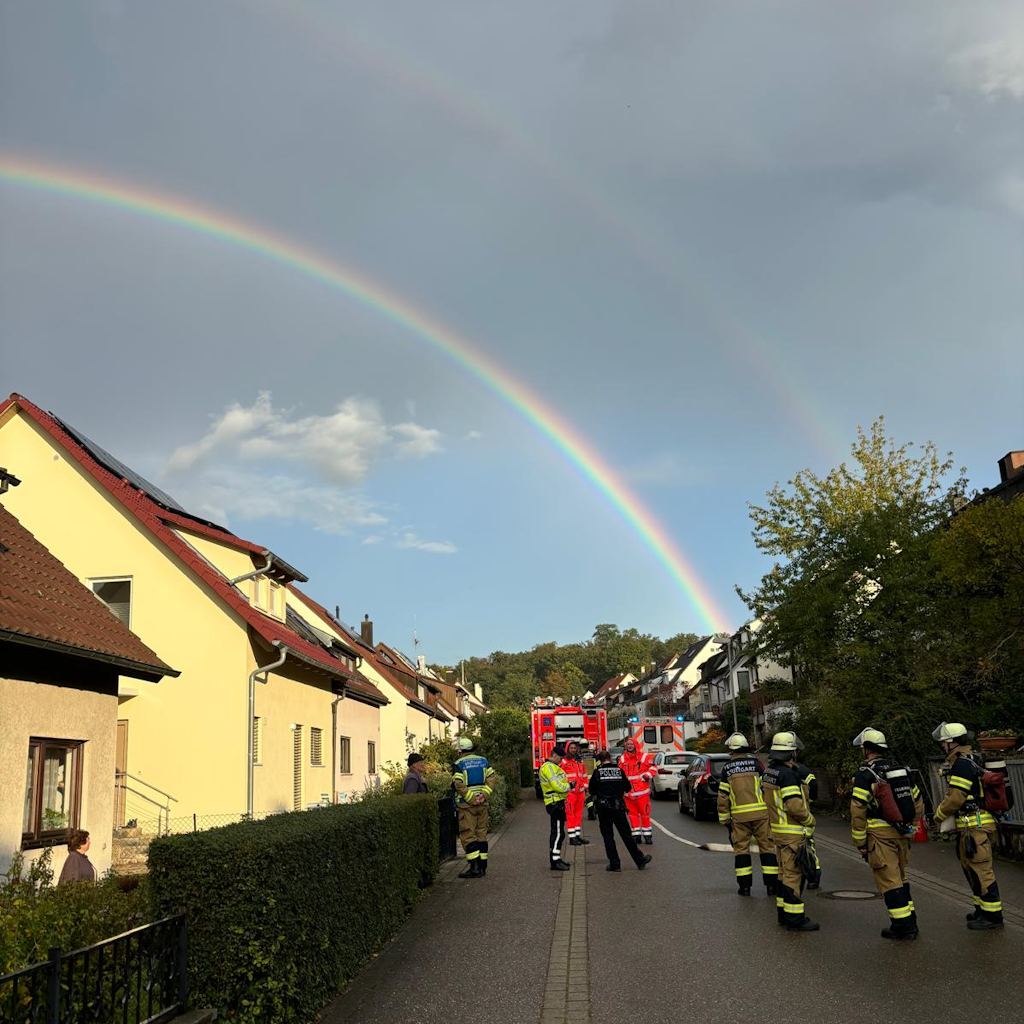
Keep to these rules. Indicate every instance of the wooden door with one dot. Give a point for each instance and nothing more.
(120, 766)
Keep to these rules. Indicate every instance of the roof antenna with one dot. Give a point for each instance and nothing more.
(415, 637)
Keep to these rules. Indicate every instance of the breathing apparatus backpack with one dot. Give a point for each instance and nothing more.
(996, 788)
(894, 793)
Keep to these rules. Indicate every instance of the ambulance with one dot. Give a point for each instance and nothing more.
(664, 738)
(554, 721)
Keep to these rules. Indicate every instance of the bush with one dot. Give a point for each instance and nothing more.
(35, 914)
(283, 912)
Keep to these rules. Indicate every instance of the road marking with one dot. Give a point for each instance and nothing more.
(567, 992)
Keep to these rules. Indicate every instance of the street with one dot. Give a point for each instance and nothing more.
(675, 941)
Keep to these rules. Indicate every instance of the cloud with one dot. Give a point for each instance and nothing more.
(373, 538)
(340, 448)
(472, 435)
(993, 69)
(407, 539)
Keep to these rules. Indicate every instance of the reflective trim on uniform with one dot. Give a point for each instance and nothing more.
(859, 837)
(769, 869)
(793, 908)
(742, 808)
(724, 787)
(723, 819)
(780, 902)
(791, 791)
(899, 913)
(789, 830)
(874, 823)
(482, 856)
(961, 783)
(862, 795)
(740, 872)
(472, 856)
(992, 908)
(976, 819)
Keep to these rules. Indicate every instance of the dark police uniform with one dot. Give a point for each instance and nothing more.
(609, 786)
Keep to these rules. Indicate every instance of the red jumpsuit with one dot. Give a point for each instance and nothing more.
(639, 768)
(577, 797)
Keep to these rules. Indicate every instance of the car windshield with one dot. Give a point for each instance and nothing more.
(717, 766)
(678, 759)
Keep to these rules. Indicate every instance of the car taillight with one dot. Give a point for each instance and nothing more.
(664, 771)
(706, 777)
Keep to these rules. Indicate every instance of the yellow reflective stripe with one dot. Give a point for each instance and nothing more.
(740, 872)
(858, 837)
(725, 787)
(902, 912)
(780, 902)
(791, 791)
(993, 908)
(961, 783)
(749, 807)
(723, 819)
(789, 830)
(862, 795)
(769, 869)
(879, 823)
(794, 908)
(916, 792)
(976, 819)
(472, 856)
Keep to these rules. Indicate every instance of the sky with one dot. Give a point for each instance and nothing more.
(493, 318)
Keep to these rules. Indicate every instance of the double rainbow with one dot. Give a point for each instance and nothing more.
(43, 177)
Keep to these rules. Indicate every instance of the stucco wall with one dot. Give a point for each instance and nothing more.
(57, 712)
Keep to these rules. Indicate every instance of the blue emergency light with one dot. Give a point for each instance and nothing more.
(680, 718)
(634, 719)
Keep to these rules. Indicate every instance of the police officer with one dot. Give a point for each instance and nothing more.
(741, 808)
(789, 818)
(609, 786)
(554, 786)
(975, 827)
(472, 780)
(885, 844)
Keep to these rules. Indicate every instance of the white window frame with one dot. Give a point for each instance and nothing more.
(130, 580)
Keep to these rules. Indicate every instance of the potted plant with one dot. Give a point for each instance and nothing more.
(997, 739)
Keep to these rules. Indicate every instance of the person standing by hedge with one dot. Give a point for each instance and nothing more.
(414, 782)
(554, 786)
(78, 867)
(472, 781)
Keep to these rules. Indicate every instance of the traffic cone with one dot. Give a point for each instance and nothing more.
(921, 833)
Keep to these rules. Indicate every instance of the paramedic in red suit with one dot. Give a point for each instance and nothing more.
(573, 766)
(639, 768)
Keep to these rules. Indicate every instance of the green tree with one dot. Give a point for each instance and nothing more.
(501, 735)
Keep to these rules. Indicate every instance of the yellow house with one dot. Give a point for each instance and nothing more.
(270, 711)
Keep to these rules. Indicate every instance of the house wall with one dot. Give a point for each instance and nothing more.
(420, 728)
(66, 712)
(186, 735)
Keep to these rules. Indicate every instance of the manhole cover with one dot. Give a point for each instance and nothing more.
(850, 894)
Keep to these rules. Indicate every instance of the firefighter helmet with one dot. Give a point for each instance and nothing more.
(870, 735)
(785, 743)
(465, 743)
(948, 732)
(737, 741)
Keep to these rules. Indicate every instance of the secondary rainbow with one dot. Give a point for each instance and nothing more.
(44, 177)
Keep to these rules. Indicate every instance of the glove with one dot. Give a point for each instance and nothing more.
(863, 852)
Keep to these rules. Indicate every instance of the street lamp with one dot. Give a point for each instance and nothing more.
(726, 640)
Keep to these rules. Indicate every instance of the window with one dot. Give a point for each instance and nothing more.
(650, 734)
(297, 768)
(257, 741)
(344, 755)
(371, 757)
(53, 791)
(316, 751)
(268, 597)
(743, 681)
(667, 736)
(679, 759)
(117, 596)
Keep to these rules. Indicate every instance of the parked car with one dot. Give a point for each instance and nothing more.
(698, 789)
(671, 768)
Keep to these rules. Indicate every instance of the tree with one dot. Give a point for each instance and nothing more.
(501, 735)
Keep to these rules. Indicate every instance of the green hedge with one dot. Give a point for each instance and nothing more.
(283, 912)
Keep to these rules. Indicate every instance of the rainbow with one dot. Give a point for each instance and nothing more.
(52, 179)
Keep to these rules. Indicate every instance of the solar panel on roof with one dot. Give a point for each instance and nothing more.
(119, 469)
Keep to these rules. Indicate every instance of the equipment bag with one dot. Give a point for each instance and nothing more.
(894, 794)
(995, 785)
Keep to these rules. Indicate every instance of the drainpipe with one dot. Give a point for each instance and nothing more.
(334, 744)
(265, 671)
(256, 572)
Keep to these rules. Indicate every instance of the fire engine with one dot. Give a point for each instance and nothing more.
(666, 734)
(554, 721)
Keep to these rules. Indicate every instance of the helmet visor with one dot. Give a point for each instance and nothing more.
(941, 733)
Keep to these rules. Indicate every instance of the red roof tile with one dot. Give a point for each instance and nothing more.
(42, 601)
(153, 517)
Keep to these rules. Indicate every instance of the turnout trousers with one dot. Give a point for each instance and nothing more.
(609, 819)
(639, 808)
(888, 857)
(742, 833)
(978, 871)
(575, 801)
(789, 900)
(473, 822)
(556, 812)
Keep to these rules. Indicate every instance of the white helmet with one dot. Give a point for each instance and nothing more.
(737, 741)
(465, 743)
(870, 735)
(785, 743)
(949, 732)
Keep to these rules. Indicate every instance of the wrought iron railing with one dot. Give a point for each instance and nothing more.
(139, 977)
(448, 829)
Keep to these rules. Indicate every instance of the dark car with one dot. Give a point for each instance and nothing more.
(698, 789)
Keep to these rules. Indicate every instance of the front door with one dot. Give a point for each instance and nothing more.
(120, 767)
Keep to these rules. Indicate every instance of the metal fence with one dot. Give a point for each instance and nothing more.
(448, 828)
(140, 977)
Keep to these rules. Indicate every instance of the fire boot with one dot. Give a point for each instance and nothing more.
(473, 871)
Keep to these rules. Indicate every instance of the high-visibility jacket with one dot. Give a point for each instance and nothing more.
(639, 769)
(788, 812)
(472, 775)
(865, 814)
(576, 770)
(965, 797)
(554, 783)
(740, 797)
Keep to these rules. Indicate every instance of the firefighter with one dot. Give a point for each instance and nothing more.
(809, 784)
(885, 843)
(790, 818)
(576, 770)
(472, 780)
(741, 808)
(975, 826)
(555, 786)
(639, 769)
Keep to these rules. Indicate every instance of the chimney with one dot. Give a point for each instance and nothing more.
(366, 631)
(421, 663)
(1011, 465)
(479, 691)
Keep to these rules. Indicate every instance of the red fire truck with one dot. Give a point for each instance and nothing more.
(553, 721)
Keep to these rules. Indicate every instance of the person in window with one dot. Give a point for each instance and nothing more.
(78, 868)
(414, 781)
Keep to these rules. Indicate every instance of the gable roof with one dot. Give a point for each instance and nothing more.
(43, 604)
(158, 521)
